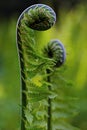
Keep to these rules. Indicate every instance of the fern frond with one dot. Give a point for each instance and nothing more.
(60, 125)
(46, 105)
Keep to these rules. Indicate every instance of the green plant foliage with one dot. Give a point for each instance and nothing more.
(40, 89)
(70, 80)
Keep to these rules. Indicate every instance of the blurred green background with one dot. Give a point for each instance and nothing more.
(71, 29)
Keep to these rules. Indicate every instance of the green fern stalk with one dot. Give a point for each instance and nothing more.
(23, 77)
(49, 103)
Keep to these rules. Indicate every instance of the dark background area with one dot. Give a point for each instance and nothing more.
(10, 7)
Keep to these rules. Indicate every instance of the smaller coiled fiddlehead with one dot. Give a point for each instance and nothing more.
(56, 51)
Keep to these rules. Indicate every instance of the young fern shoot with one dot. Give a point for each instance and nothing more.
(37, 17)
(39, 91)
(56, 51)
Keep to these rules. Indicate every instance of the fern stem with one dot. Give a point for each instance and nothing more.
(49, 104)
(23, 84)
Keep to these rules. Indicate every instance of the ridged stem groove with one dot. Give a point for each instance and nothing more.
(49, 127)
(23, 84)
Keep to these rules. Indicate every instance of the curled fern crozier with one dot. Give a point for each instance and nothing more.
(36, 17)
(56, 51)
(39, 17)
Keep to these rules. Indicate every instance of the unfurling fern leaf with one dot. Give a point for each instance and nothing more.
(55, 50)
(43, 104)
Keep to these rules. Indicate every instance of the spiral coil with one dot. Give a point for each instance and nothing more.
(38, 17)
(56, 51)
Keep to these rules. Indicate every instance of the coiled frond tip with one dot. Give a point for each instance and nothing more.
(56, 51)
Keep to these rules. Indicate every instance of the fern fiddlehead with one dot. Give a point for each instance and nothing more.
(41, 108)
(37, 17)
(56, 51)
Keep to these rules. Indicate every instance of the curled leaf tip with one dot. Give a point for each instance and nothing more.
(56, 51)
(39, 17)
